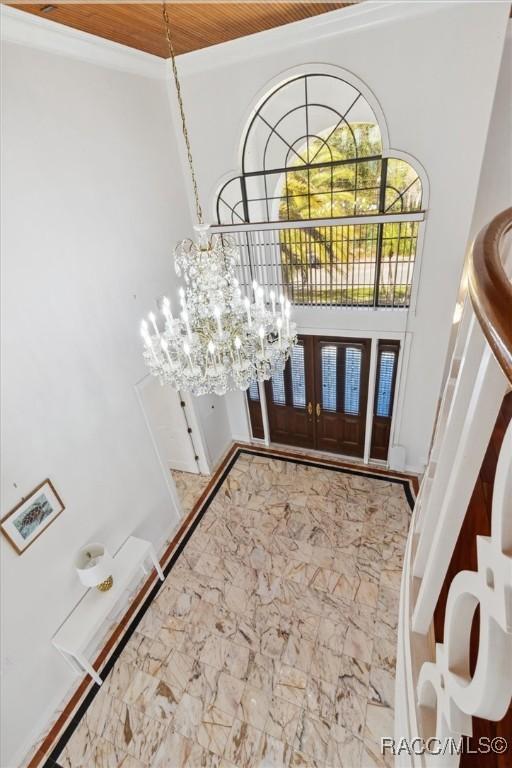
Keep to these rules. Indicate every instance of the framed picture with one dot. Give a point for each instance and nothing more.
(23, 524)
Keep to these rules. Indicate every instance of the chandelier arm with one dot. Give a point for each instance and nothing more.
(199, 210)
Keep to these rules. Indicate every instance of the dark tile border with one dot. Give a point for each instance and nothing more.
(51, 761)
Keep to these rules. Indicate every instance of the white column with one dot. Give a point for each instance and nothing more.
(479, 419)
(264, 412)
(370, 401)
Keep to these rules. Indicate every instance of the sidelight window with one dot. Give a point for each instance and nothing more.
(386, 375)
(387, 360)
(254, 392)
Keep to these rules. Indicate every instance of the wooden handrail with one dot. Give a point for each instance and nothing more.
(491, 290)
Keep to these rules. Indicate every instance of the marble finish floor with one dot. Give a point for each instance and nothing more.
(272, 641)
(189, 487)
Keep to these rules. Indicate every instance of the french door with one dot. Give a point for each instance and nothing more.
(290, 397)
(342, 368)
(319, 400)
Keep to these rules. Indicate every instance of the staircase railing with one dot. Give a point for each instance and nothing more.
(448, 683)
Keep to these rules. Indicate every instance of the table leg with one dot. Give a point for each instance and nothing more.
(156, 563)
(89, 669)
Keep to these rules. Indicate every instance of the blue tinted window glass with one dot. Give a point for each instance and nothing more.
(352, 380)
(278, 393)
(386, 371)
(329, 378)
(298, 377)
(254, 392)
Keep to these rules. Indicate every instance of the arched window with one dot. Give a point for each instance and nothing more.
(313, 152)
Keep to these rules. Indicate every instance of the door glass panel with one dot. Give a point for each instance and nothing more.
(328, 355)
(278, 391)
(254, 392)
(352, 380)
(386, 371)
(298, 376)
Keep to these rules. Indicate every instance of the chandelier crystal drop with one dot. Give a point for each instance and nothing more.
(220, 339)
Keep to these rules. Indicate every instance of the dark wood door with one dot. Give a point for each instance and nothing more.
(319, 401)
(290, 398)
(342, 369)
(387, 362)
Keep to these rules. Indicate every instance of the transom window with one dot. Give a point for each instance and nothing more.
(312, 158)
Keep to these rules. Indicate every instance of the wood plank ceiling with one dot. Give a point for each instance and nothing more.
(194, 25)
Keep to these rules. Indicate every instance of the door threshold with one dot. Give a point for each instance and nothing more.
(343, 457)
(290, 452)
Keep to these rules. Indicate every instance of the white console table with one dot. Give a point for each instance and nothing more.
(87, 617)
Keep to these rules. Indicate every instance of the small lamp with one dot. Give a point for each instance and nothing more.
(94, 567)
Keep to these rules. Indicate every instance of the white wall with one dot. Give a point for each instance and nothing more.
(433, 69)
(495, 187)
(92, 206)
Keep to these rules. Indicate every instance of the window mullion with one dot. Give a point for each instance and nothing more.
(245, 205)
(340, 383)
(380, 230)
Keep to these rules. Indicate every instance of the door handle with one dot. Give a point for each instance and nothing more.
(310, 408)
(318, 410)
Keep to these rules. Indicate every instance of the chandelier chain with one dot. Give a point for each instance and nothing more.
(199, 210)
(220, 339)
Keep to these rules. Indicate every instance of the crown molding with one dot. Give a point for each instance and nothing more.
(32, 31)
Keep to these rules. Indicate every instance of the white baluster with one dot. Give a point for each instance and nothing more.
(423, 508)
(446, 687)
(472, 439)
(471, 359)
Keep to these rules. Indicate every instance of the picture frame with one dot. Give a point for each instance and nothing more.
(32, 516)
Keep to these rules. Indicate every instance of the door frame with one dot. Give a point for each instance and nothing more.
(401, 374)
(190, 421)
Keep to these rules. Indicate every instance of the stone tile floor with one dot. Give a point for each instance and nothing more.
(189, 486)
(272, 641)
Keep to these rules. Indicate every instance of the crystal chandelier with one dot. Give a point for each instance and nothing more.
(220, 339)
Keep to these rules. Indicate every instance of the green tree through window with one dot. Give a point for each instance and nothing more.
(317, 259)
